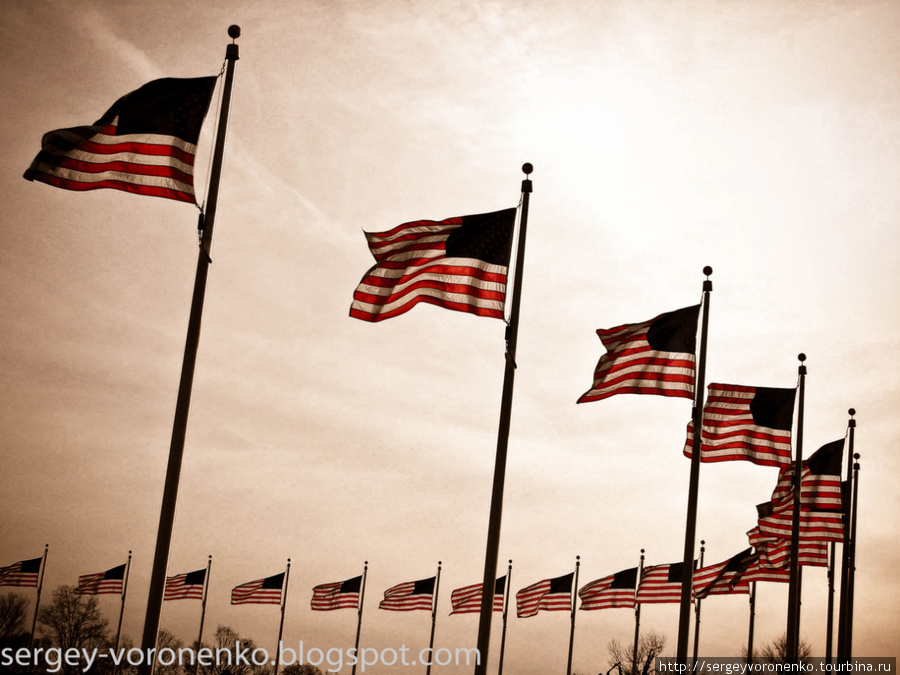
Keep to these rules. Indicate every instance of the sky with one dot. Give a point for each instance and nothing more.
(761, 139)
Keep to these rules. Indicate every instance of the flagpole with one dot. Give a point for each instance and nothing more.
(183, 404)
(637, 617)
(697, 608)
(505, 614)
(496, 514)
(359, 613)
(845, 548)
(437, 585)
(829, 625)
(690, 530)
(37, 602)
(852, 577)
(752, 620)
(284, 590)
(203, 609)
(572, 629)
(122, 608)
(793, 617)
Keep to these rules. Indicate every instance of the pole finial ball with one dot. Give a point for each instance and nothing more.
(707, 270)
(802, 357)
(234, 31)
(527, 168)
(855, 455)
(852, 412)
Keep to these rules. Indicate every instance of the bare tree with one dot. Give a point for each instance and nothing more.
(650, 646)
(166, 640)
(776, 651)
(71, 621)
(13, 610)
(226, 640)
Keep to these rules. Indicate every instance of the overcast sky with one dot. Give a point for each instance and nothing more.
(760, 138)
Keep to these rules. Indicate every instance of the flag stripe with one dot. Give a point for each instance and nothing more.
(259, 592)
(187, 586)
(23, 573)
(330, 596)
(631, 365)
(404, 598)
(730, 432)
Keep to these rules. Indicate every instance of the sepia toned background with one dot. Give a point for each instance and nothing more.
(762, 139)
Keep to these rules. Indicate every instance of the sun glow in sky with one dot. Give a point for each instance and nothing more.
(762, 139)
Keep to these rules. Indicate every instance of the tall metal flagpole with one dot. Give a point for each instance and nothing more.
(183, 404)
(203, 608)
(637, 618)
(122, 608)
(572, 629)
(697, 608)
(362, 596)
(852, 577)
(829, 623)
(690, 530)
(505, 615)
(37, 602)
(752, 621)
(284, 590)
(845, 548)
(793, 617)
(437, 585)
(496, 515)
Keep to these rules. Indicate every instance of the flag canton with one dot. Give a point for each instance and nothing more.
(423, 587)
(351, 585)
(485, 236)
(195, 578)
(561, 584)
(773, 408)
(169, 106)
(675, 331)
(275, 582)
(625, 579)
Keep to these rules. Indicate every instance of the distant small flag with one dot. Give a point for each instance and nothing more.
(337, 595)
(551, 595)
(616, 590)
(108, 582)
(23, 573)
(259, 592)
(187, 586)
(459, 263)
(749, 423)
(660, 583)
(467, 599)
(651, 357)
(724, 577)
(409, 596)
(144, 144)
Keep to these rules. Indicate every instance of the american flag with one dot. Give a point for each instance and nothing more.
(187, 586)
(144, 144)
(409, 596)
(616, 590)
(459, 263)
(821, 513)
(724, 577)
(757, 571)
(259, 592)
(23, 573)
(109, 582)
(749, 423)
(660, 583)
(552, 595)
(651, 357)
(337, 595)
(467, 599)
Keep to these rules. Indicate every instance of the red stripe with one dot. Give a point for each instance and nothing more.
(148, 190)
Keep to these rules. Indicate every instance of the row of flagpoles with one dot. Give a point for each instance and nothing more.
(629, 588)
(145, 144)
